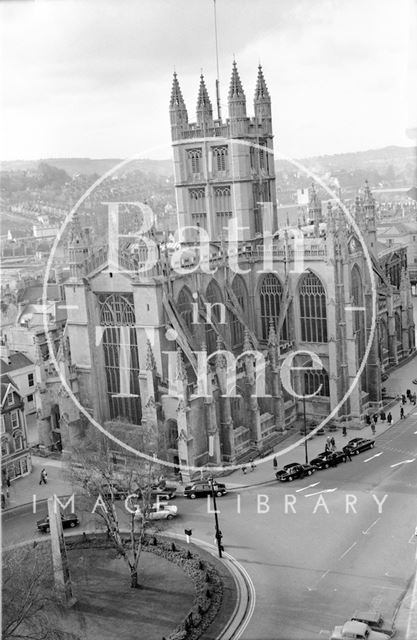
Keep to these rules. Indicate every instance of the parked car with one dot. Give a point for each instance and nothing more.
(354, 630)
(203, 489)
(68, 520)
(356, 445)
(294, 470)
(156, 493)
(328, 459)
(115, 490)
(375, 621)
(160, 512)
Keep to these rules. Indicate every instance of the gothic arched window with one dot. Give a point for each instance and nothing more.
(185, 307)
(358, 315)
(316, 381)
(236, 327)
(270, 294)
(121, 360)
(398, 331)
(216, 314)
(194, 159)
(220, 158)
(313, 312)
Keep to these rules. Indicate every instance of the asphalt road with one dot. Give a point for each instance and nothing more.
(315, 562)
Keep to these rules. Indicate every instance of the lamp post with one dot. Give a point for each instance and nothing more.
(305, 428)
(218, 534)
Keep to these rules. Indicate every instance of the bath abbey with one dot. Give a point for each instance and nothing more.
(219, 339)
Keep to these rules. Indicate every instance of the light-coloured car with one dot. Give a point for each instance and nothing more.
(159, 512)
(354, 630)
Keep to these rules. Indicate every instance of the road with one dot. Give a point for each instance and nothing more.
(312, 558)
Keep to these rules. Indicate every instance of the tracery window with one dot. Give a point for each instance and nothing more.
(317, 382)
(223, 201)
(398, 331)
(185, 307)
(198, 202)
(121, 360)
(236, 327)
(194, 160)
(220, 158)
(313, 312)
(214, 297)
(270, 298)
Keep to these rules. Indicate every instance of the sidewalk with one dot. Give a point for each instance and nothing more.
(264, 467)
(23, 489)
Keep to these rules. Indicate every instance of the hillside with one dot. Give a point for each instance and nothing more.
(90, 166)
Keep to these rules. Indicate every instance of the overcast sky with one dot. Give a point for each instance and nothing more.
(93, 78)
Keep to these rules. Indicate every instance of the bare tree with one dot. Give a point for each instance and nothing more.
(104, 474)
(31, 608)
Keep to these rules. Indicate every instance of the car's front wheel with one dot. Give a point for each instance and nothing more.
(219, 494)
(309, 472)
(170, 516)
(73, 524)
(343, 459)
(46, 530)
(326, 466)
(356, 452)
(290, 478)
(372, 445)
(193, 496)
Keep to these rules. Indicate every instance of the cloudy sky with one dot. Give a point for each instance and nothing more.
(93, 77)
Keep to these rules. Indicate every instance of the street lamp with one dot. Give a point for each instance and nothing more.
(305, 428)
(218, 534)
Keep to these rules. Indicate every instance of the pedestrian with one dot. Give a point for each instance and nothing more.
(373, 428)
(383, 416)
(333, 444)
(244, 470)
(408, 393)
(252, 465)
(275, 462)
(327, 447)
(8, 483)
(375, 418)
(389, 418)
(368, 419)
(44, 477)
(346, 451)
(402, 416)
(403, 399)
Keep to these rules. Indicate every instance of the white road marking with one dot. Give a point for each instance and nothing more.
(308, 487)
(370, 527)
(402, 462)
(375, 456)
(308, 495)
(347, 550)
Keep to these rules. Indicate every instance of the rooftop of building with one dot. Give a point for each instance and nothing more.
(13, 362)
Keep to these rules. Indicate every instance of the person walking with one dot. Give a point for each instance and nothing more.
(402, 416)
(346, 451)
(244, 470)
(375, 418)
(44, 477)
(389, 418)
(333, 444)
(403, 399)
(275, 462)
(368, 419)
(8, 483)
(383, 416)
(373, 428)
(252, 465)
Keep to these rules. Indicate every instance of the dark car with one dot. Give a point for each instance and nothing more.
(294, 470)
(68, 520)
(356, 445)
(328, 459)
(203, 489)
(158, 494)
